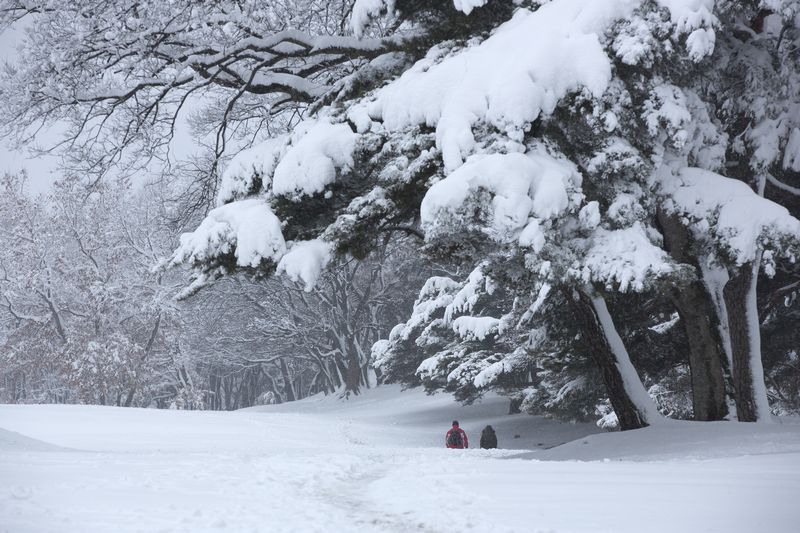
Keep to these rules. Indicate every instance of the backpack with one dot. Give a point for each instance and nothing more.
(455, 440)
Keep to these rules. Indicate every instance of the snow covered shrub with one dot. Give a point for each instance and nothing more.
(672, 394)
(188, 399)
(607, 418)
(268, 398)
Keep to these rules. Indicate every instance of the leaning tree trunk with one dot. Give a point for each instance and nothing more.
(752, 404)
(696, 309)
(715, 278)
(631, 402)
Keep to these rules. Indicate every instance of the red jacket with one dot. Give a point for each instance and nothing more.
(465, 442)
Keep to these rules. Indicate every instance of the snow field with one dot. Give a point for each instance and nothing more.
(377, 463)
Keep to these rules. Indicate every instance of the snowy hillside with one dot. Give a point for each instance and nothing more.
(377, 463)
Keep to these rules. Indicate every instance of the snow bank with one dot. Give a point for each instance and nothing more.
(676, 439)
(247, 228)
(11, 441)
(520, 72)
(377, 463)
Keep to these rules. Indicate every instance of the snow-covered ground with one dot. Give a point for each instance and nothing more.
(377, 463)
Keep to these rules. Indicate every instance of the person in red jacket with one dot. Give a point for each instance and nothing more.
(456, 438)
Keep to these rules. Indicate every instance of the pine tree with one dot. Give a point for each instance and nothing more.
(590, 150)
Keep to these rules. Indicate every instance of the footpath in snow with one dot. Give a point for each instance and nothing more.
(377, 463)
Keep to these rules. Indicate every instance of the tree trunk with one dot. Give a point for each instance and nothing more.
(714, 280)
(696, 309)
(631, 402)
(705, 353)
(752, 404)
(353, 374)
(298, 387)
(288, 384)
(129, 397)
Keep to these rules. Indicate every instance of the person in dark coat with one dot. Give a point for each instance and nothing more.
(488, 438)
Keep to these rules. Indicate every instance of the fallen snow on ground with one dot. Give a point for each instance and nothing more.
(377, 463)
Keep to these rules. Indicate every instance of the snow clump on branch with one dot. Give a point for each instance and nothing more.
(247, 229)
(305, 261)
(557, 51)
(739, 221)
(521, 186)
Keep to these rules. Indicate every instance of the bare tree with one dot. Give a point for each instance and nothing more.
(295, 342)
(119, 75)
(85, 317)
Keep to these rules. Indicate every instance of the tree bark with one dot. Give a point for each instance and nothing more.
(288, 384)
(697, 312)
(353, 375)
(627, 394)
(752, 404)
(705, 353)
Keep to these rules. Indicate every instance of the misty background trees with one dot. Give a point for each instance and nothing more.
(608, 232)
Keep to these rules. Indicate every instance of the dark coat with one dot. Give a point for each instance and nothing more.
(488, 438)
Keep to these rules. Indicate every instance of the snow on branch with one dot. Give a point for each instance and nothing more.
(466, 297)
(623, 259)
(296, 165)
(781, 185)
(739, 221)
(318, 149)
(127, 72)
(305, 261)
(695, 19)
(248, 230)
(791, 153)
(434, 297)
(250, 170)
(476, 327)
(520, 72)
(520, 186)
(365, 11)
